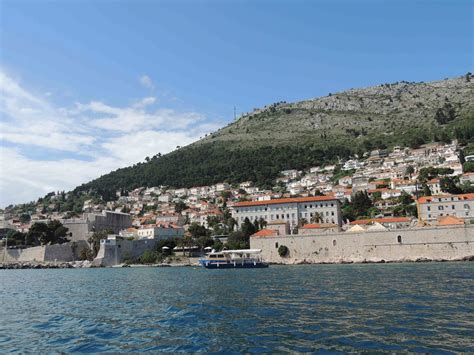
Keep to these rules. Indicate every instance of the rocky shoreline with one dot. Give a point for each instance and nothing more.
(88, 264)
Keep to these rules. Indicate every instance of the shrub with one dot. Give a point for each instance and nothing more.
(283, 250)
(148, 257)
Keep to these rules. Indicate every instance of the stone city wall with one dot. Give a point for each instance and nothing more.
(436, 243)
(114, 252)
(57, 252)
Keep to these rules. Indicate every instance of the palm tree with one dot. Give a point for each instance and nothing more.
(317, 218)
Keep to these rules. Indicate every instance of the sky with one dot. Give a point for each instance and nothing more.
(90, 86)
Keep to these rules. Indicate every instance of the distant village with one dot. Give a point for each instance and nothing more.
(400, 188)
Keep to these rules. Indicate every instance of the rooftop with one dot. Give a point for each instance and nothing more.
(285, 200)
(428, 199)
(381, 220)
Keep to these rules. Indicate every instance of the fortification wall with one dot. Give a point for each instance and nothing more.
(437, 243)
(57, 252)
(79, 228)
(114, 252)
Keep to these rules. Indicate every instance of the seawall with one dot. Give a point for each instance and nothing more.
(58, 252)
(433, 243)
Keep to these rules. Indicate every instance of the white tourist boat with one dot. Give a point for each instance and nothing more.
(228, 259)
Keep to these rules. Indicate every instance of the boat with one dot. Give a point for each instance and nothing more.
(230, 259)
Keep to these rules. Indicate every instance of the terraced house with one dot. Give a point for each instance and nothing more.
(324, 209)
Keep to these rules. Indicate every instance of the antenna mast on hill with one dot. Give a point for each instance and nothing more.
(235, 114)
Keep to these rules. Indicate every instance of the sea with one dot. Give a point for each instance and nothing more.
(363, 308)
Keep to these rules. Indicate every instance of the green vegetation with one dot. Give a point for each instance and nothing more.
(303, 134)
(40, 233)
(95, 238)
(283, 251)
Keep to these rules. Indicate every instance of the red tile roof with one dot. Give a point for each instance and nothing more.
(285, 200)
(428, 199)
(449, 220)
(382, 220)
(265, 233)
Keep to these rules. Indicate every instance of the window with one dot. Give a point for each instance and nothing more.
(466, 206)
(271, 217)
(287, 215)
(399, 239)
(428, 208)
(440, 208)
(453, 207)
(332, 213)
(334, 243)
(276, 245)
(310, 206)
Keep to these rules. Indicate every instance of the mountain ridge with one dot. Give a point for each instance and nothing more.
(306, 133)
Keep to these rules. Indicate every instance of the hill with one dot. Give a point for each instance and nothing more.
(312, 132)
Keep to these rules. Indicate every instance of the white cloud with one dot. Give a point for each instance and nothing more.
(135, 147)
(146, 81)
(90, 139)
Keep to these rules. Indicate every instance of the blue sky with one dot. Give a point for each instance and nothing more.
(90, 86)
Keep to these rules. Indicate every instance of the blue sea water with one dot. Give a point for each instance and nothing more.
(336, 308)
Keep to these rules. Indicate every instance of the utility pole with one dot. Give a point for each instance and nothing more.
(235, 113)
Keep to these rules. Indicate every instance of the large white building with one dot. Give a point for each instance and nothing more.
(290, 210)
(159, 232)
(430, 208)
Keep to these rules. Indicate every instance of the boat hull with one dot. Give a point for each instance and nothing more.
(230, 265)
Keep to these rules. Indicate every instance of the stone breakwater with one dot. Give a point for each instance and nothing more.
(44, 265)
(401, 245)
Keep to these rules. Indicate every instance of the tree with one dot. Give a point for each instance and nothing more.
(426, 191)
(148, 257)
(248, 228)
(468, 166)
(15, 238)
(448, 184)
(302, 222)
(409, 171)
(51, 233)
(377, 195)
(317, 218)
(238, 240)
(429, 173)
(361, 203)
(25, 218)
(283, 250)
(96, 237)
(180, 206)
(197, 230)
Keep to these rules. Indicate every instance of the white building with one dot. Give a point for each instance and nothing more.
(432, 207)
(154, 232)
(290, 210)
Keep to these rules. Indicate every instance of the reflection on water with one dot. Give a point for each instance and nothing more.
(376, 307)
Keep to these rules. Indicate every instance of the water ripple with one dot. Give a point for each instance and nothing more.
(310, 308)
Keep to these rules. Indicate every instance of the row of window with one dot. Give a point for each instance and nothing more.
(453, 207)
(256, 209)
(449, 214)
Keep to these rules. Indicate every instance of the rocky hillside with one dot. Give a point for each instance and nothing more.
(298, 135)
(385, 110)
